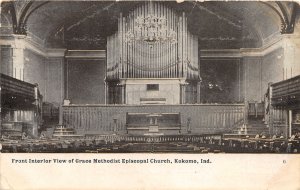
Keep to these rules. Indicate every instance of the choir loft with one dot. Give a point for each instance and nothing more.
(199, 74)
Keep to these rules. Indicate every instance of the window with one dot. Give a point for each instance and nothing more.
(152, 87)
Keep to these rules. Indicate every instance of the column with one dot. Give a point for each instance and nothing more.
(37, 114)
(291, 46)
(182, 93)
(290, 119)
(106, 92)
(198, 93)
(123, 91)
(18, 57)
(123, 100)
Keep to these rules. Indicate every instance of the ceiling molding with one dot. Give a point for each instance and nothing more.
(275, 7)
(33, 47)
(29, 12)
(60, 26)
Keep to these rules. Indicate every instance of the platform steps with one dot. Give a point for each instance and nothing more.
(255, 126)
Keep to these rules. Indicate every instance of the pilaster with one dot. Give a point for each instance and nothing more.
(291, 47)
(18, 57)
(199, 92)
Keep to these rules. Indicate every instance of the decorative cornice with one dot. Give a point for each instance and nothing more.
(55, 52)
(272, 45)
(86, 54)
(249, 52)
(220, 53)
(30, 45)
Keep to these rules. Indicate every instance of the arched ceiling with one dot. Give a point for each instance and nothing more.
(86, 24)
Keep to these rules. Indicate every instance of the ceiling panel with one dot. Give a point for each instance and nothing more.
(218, 24)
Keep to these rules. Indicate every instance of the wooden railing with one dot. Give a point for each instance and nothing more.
(202, 119)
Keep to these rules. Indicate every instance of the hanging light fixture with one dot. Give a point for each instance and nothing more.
(151, 29)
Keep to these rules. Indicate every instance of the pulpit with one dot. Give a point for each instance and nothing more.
(153, 124)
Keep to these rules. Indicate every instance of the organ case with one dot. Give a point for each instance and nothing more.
(138, 60)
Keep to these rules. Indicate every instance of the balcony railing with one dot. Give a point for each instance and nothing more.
(15, 87)
(286, 93)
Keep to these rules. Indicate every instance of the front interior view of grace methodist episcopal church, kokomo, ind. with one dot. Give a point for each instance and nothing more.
(150, 76)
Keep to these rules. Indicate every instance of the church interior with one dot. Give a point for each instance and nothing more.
(150, 76)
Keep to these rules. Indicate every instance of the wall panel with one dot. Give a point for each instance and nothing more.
(6, 60)
(54, 80)
(85, 81)
(35, 70)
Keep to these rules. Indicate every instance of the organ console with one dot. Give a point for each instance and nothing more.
(141, 59)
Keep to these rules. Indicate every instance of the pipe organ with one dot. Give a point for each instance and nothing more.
(147, 59)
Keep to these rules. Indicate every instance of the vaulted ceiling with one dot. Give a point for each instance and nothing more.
(86, 24)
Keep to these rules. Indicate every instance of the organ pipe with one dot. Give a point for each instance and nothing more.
(161, 60)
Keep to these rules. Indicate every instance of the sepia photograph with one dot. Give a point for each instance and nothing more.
(141, 83)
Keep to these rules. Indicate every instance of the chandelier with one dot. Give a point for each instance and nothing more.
(151, 29)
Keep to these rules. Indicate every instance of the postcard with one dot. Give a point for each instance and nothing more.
(150, 94)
